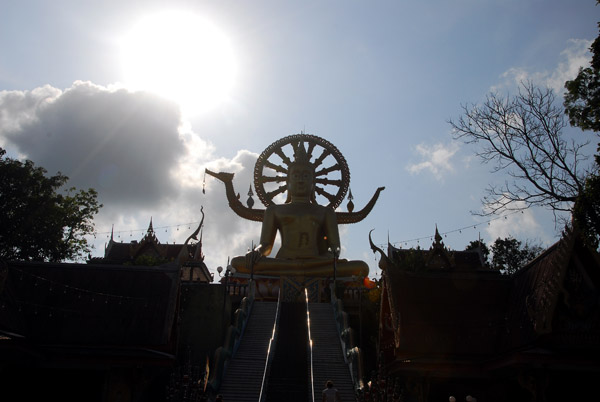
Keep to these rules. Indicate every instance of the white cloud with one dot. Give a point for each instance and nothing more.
(576, 55)
(142, 158)
(19, 108)
(435, 158)
(123, 144)
(517, 224)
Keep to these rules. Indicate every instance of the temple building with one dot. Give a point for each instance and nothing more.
(452, 327)
(149, 251)
(140, 323)
(145, 322)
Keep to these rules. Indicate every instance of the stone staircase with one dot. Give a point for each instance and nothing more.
(288, 379)
(328, 360)
(243, 377)
(244, 374)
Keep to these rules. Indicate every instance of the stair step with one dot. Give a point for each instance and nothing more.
(328, 358)
(244, 374)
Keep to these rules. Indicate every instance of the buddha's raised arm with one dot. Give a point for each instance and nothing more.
(256, 215)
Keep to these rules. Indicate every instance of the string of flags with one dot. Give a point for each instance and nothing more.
(406, 242)
(400, 243)
(131, 232)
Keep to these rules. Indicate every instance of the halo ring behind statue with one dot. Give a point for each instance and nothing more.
(332, 176)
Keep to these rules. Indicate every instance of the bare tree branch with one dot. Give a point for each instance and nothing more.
(522, 136)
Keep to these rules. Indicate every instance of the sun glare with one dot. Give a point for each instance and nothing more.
(182, 57)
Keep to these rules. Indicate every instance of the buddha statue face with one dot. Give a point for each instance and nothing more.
(300, 180)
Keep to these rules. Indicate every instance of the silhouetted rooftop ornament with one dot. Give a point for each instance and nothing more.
(438, 244)
(150, 227)
(250, 201)
(350, 204)
(150, 235)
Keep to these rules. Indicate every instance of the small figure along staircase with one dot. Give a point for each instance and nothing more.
(328, 360)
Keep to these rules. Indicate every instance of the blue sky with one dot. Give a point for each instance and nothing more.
(378, 79)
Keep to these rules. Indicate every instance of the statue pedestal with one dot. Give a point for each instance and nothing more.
(292, 288)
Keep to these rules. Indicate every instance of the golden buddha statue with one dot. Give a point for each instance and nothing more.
(309, 234)
(310, 241)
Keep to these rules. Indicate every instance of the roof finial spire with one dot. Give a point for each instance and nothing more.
(150, 228)
(438, 238)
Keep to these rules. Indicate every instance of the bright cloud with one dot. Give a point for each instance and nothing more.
(576, 55)
(519, 225)
(142, 158)
(435, 158)
(123, 144)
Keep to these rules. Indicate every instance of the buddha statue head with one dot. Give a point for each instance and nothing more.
(301, 177)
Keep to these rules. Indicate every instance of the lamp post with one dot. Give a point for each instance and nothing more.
(336, 254)
(228, 272)
(360, 329)
(251, 263)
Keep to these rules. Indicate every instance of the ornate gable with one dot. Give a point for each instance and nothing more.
(148, 246)
(576, 307)
(554, 298)
(438, 256)
(440, 301)
(149, 251)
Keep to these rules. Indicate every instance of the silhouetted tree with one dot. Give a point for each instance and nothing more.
(586, 212)
(480, 245)
(509, 254)
(522, 135)
(582, 99)
(36, 222)
(582, 105)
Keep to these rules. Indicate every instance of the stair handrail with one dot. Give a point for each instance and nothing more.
(270, 352)
(310, 347)
(233, 336)
(352, 354)
(241, 316)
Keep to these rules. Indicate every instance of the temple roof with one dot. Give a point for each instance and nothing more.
(448, 303)
(150, 251)
(437, 257)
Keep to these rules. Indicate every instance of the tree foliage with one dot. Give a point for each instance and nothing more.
(582, 105)
(38, 222)
(582, 99)
(586, 212)
(509, 254)
(482, 247)
(522, 136)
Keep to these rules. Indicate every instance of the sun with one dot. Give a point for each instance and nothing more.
(180, 56)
